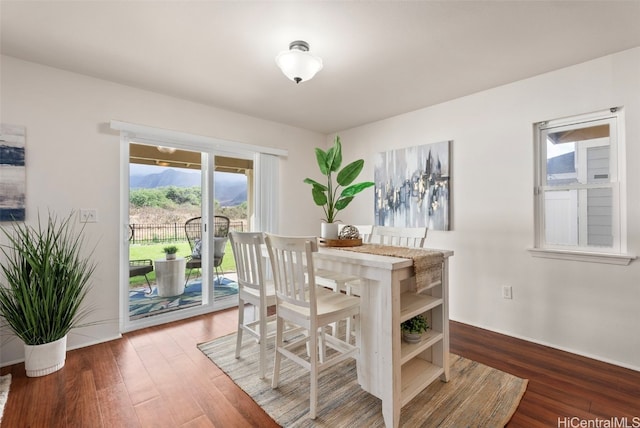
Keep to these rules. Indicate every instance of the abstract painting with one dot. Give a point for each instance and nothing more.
(412, 186)
(12, 173)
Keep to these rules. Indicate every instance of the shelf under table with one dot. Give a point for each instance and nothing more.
(416, 375)
(410, 350)
(412, 304)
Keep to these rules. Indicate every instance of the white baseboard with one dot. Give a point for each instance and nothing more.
(69, 348)
(554, 346)
(95, 342)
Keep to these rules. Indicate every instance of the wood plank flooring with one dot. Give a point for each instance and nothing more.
(156, 377)
(561, 385)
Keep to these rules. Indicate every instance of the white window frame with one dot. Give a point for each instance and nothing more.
(617, 253)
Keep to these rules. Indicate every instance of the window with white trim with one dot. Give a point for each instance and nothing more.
(579, 184)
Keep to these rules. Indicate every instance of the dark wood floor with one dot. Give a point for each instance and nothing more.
(561, 385)
(158, 378)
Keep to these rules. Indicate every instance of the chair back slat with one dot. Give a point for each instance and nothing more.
(193, 231)
(292, 266)
(221, 226)
(247, 251)
(365, 232)
(399, 236)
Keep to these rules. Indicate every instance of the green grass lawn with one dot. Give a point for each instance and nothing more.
(154, 251)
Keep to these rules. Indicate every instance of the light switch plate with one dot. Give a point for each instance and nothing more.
(88, 215)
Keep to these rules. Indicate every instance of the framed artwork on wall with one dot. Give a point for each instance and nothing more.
(412, 186)
(12, 173)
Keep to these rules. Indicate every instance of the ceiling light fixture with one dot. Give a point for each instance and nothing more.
(163, 149)
(298, 64)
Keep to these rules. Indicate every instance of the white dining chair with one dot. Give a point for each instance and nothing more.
(337, 281)
(399, 236)
(386, 235)
(340, 282)
(299, 301)
(253, 289)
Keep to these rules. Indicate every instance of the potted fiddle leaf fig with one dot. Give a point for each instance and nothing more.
(335, 196)
(46, 279)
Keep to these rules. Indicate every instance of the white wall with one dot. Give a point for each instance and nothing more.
(586, 308)
(591, 309)
(73, 161)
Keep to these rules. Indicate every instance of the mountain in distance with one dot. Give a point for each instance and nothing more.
(230, 189)
(230, 193)
(168, 177)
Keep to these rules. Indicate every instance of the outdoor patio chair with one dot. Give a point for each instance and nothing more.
(193, 231)
(140, 267)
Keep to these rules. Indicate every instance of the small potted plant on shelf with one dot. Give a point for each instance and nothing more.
(413, 328)
(329, 196)
(170, 251)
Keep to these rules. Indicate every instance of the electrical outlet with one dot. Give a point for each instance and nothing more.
(507, 292)
(88, 216)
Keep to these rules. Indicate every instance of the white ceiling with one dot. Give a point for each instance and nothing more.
(381, 58)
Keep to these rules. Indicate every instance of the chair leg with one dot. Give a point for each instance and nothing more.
(340, 285)
(148, 283)
(334, 329)
(276, 361)
(263, 340)
(323, 344)
(313, 385)
(218, 270)
(255, 314)
(186, 281)
(350, 321)
(240, 324)
(356, 329)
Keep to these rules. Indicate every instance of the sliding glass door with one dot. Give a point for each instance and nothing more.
(186, 191)
(185, 203)
(167, 241)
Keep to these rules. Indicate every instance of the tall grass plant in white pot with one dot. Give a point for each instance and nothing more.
(47, 276)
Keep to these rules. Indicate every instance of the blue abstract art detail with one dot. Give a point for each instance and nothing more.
(12, 173)
(412, 186)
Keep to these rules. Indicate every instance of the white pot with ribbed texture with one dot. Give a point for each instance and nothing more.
(40, 360)
(329, 230)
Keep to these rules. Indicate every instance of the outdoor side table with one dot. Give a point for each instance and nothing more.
(170, 276)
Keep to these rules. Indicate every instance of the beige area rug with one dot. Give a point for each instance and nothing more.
(5, 382)
(475, 396)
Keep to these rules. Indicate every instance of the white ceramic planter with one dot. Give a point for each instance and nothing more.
(171, 256)
(329, 230)
(40, 360)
